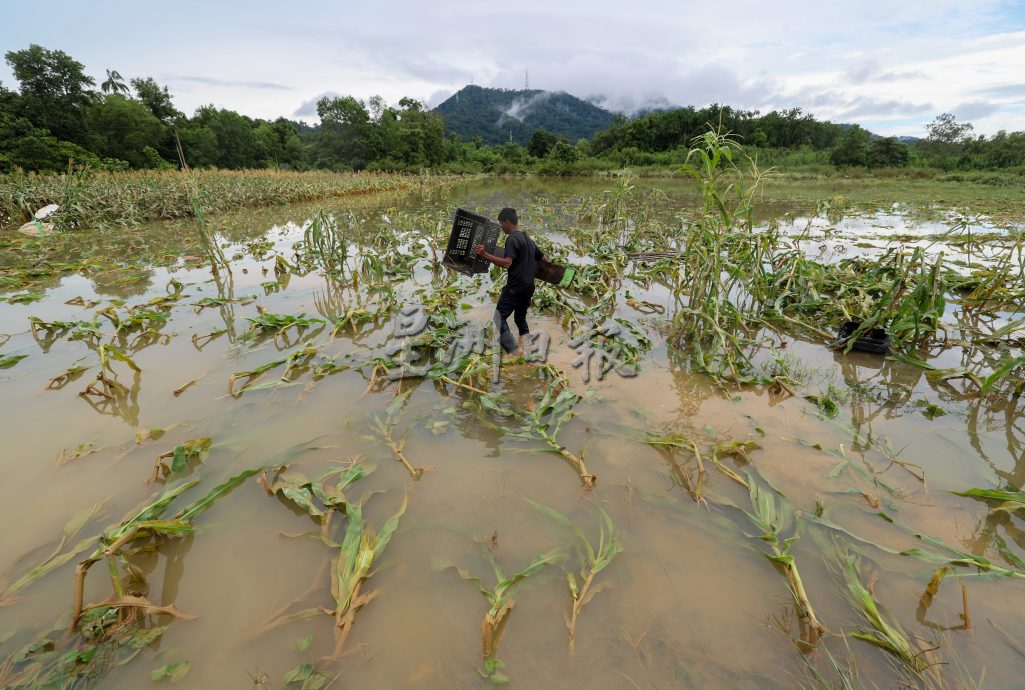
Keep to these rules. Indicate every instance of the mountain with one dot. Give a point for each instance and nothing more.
(495, 114)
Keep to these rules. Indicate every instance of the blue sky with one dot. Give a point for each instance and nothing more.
(889, 66)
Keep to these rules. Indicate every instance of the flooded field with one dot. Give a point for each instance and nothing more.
(764, 513)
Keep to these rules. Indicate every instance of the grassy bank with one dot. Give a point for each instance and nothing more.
(96, 199)
(803, 163)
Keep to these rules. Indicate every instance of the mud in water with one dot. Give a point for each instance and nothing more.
(691, 600)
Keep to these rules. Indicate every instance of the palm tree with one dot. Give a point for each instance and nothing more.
(115, 83)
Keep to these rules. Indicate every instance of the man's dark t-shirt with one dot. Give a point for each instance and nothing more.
(525, 255)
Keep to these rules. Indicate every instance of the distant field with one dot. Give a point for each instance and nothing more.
(94, 199)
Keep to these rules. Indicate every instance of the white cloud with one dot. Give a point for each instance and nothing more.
(878, 60)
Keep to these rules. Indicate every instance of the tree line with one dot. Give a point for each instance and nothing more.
(950, 145)
(58, 117)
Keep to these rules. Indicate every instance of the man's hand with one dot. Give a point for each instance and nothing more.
(480, 250)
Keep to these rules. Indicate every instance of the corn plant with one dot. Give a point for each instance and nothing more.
(773, 517)
(146, 522)
(723, 254)
(500, 600)
(189, 453)
(883, 633)
(591, 559)
(295, 363)
(278, 324)
(91, 199)
(67, 549)
(1010, 499)
(355, 557)
(384, 433)
(544, 423)
(324, 245)
(939, 552)
(360, 550)
(320, 498)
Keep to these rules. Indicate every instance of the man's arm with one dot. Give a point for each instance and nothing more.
(504, 262)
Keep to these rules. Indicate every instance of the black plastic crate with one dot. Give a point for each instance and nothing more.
(468, 230)
(875, 340)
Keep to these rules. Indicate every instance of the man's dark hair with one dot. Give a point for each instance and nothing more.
(508, 214)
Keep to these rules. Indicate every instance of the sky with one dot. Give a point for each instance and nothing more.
(890, 66)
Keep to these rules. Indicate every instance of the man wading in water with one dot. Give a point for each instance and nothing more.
(521, 257)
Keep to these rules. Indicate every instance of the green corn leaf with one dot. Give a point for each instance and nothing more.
(171, 672)
(568, 524)
(384, 535)
(1002, 371)
(537, 564)
(152, 510)
(8, 361)
(192, 510)
(1013, 495)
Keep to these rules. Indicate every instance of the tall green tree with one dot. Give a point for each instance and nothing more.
(25, 146)
(945, 129)
(157, 99)
(114, 83)
(947, 140)
(540, 142)
(888, 153)
(235, 142)
(123, 128)
(54, 90)
(852, 149)
(344, 139)
(280, 143)
(422, 134)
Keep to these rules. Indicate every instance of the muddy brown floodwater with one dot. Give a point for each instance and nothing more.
(690, 601)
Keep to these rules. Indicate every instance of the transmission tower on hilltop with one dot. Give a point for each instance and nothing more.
(526, 79)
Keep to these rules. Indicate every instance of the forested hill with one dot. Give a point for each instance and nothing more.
(494, 114)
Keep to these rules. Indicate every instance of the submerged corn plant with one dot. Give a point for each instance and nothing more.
(591, 560)
(545, 421)
(278, 324)
(883, 633)
(111, 633)
(50, 662)
(320, 498)
(940, 553)
(384, 433)
(359, 551)
(182, 456)
(106, 393)
(773, 517)
(500, 600)
(64, 552)
(1010, 499)
(295, 364)
(356, 556)
(668, 445)
(145, 523)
